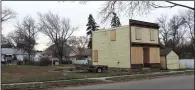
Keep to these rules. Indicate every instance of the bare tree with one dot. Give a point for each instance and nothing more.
(72, 41)
(4, 40)
(7, 14)
(131, 8)
(79, 42)
(25, 35)
(173, 32)
(58, 30)
(164, 29)
(175, 24)
(188, 16)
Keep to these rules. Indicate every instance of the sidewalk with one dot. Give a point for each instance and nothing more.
(156, 73)
(98, 78)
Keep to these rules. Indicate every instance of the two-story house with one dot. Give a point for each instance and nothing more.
(133, 46)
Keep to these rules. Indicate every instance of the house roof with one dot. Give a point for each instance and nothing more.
(165, 51)
(84, 51)
(69, 49)
(50, 49)
(143, 24)
(7, 46)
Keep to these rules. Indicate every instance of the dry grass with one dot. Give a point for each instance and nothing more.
(24, 73)
(15, 74)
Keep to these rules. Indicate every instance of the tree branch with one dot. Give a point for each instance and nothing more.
(179, 5)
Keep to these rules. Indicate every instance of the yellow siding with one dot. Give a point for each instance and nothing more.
(154, 55)
(172, 60)
(137, 55)
(145, 35)
(109, 52)
(163, 62)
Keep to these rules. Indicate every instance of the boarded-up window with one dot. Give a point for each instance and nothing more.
(137, 55)
(138, 33)
(95, 55)
(113, 35)
(152, 34)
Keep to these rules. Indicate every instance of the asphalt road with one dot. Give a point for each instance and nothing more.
(177, 82)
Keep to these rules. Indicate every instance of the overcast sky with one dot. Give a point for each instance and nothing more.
(78, 14)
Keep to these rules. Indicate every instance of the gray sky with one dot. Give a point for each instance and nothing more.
(78, 14)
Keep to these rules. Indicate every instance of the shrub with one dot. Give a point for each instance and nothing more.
(19, 62)
(66, 62)
(45, 61)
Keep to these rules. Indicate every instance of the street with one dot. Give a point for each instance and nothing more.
(177, 82)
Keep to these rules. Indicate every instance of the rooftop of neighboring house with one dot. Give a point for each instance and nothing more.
(7, 45)
(85, 51)
(165, 51)
(12, 51)
(69, 49)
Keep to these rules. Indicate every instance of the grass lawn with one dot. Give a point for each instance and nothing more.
(24, 73)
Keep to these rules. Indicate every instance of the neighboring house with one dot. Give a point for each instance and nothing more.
(72, 53)
(38, 55)
(133, 46)
(84, 54)
(8, 52)
(169, 59)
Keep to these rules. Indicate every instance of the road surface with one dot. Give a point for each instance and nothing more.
(177, 82)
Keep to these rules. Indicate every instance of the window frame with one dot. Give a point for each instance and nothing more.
(138, 33)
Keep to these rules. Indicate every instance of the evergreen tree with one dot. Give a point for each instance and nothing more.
(115, 22)
(91, 26)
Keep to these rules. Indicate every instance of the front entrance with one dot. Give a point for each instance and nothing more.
(146, 58)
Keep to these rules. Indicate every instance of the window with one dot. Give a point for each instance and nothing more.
(95, 55)
(152, 34)
(138, 33)
(113, 35)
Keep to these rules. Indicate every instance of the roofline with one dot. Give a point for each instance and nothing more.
(133, 22)
(110, 29)
(170, 51)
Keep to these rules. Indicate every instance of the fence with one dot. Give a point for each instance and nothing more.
(186, 63)
(81, 61)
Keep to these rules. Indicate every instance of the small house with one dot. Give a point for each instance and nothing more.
(10, 54)
(169, 59)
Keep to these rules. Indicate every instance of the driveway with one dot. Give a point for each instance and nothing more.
(177, 82)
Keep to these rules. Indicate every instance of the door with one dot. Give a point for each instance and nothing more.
(146, 57)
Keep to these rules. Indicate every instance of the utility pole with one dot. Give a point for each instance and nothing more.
(0, 36)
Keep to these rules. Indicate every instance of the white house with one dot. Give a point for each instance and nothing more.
(8, 52)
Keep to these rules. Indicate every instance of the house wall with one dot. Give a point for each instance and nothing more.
(110, 52)
(145, 35)
(20, 54)
(163, 62)
(172, 60)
